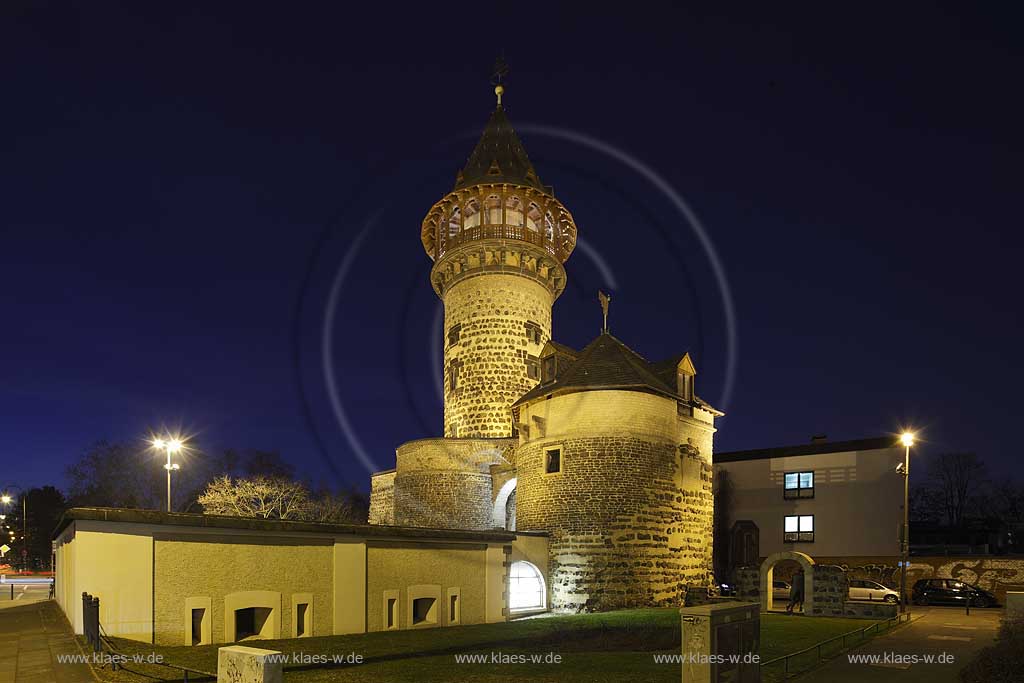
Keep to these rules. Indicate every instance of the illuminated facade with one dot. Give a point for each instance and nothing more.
(607, 453)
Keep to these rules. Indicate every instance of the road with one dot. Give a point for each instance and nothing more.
(946, 634)
(22, 591)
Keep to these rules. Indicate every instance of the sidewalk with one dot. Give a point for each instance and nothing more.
(31, 637)
(935, 631)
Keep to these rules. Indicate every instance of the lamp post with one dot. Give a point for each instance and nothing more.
(907, 439)
(169, 446)
(6, 500)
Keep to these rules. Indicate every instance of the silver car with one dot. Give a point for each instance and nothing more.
(865, 589)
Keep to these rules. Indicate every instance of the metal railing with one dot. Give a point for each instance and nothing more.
(859, 636)
(99, 642)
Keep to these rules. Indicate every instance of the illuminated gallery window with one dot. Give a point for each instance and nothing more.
(799, 528)
(525, 587)
(798, 485)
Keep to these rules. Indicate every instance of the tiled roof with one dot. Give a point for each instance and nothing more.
(499, 157)
(606, 363)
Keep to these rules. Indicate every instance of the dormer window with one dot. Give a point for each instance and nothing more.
(548, 368)
(685, 385)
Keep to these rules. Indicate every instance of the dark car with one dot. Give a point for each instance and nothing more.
(951, 592)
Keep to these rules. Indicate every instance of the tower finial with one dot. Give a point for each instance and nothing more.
(498, 77)
(605, 300)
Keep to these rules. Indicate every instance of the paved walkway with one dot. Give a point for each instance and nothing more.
(32, 635)
(940, 631)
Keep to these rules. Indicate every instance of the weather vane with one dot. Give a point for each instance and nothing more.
(605, 300)
(498, 77)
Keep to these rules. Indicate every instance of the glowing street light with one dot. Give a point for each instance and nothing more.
(907, 439)
(169, 446)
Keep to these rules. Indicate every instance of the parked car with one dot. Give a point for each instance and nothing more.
(950, 592)
(780, 589)
(865, 589)
(725, 589)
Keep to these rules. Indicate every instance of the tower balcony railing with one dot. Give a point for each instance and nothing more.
(504, 232)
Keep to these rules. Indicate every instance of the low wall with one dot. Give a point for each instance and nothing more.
(858, 609)
(994, 573)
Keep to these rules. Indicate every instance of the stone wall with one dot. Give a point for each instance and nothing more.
(997, 574)
(446, 483)
(491, 355)
(382, 498)
(630, 514)
(830, 591)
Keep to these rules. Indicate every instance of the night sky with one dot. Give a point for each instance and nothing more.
(181, 193)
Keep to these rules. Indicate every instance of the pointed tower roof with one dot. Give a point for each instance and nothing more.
(499, 157)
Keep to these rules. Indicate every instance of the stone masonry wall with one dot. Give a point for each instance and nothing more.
(382, 498)
(630, 514)
(490, 357)
(830, 591)
(446, 483)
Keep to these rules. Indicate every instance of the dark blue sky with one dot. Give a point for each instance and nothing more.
(181, 189)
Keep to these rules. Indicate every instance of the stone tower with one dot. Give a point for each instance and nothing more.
(498, 241)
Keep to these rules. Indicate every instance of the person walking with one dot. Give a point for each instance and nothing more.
(796, 592)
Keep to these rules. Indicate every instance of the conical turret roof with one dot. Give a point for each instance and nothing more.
(499, 157)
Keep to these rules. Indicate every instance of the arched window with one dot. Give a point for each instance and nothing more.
(514, 211)
(525, 587)
(549, 227)
(493, 206)
(472, 214)
(454, 222)
(533, 217)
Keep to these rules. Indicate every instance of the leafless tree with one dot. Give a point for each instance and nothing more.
(259, 496)
(957, 479)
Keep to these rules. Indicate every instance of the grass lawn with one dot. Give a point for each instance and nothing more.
(610, 646)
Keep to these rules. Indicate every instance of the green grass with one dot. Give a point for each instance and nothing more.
(610, 646)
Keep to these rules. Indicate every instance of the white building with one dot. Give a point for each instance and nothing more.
(839, 502)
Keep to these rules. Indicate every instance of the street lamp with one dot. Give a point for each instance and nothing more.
(6, 499)
(170, 446)
(907, 439)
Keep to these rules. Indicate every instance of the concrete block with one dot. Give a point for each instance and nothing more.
(240, 664)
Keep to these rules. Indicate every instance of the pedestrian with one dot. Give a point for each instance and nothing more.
(796, 592)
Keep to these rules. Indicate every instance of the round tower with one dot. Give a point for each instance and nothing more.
(498, 241)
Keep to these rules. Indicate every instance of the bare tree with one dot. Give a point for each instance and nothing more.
(956, 478)
(260, 496)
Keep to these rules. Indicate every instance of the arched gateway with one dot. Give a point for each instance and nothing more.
(806, 563)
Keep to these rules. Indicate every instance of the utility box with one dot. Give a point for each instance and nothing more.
(721, 642)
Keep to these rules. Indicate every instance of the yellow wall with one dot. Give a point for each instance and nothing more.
(117, 568)
(349, 607)
(398, 566)
(217, 565)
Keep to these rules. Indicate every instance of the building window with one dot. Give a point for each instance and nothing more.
(553, 460)
(424, 611)
(686, 385)
(532, 367)
(549, 368)
(453, 374)
(454, 606)
(533, 333)
(390, 610)
(252, 622)
(300, 619)
(525, 587)
(198, 615)
(798, 529)
(454, 333)
(798, 485)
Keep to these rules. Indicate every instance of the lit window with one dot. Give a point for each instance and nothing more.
(525, 587)
(798, 485)
(798, 529)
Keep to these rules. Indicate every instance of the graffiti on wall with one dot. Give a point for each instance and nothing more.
(991, 573)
